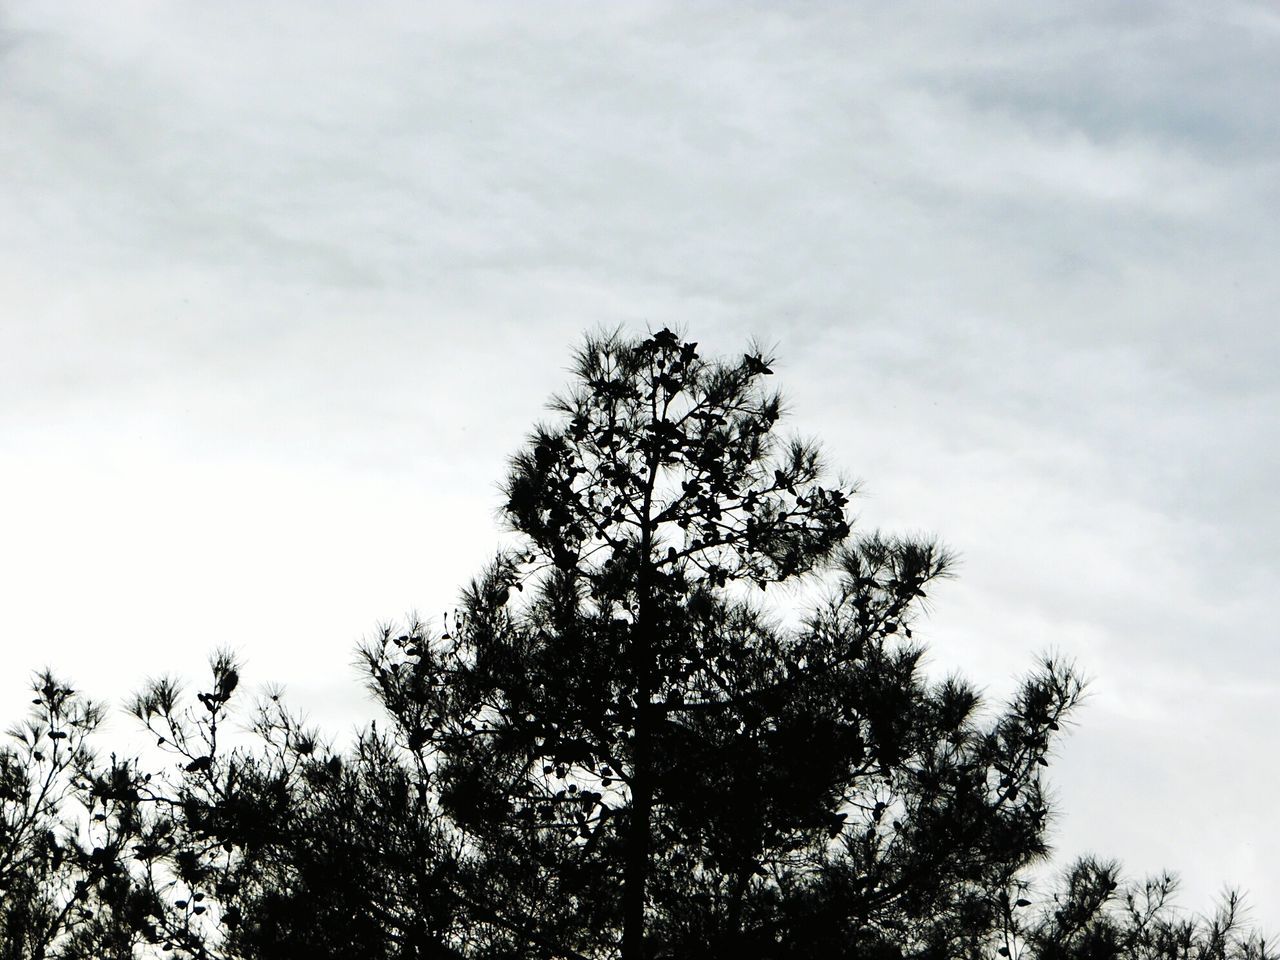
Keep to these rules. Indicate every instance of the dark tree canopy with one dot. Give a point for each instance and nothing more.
(617, 746)
(639, 735)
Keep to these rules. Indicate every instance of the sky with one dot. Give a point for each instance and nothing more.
(282, 286)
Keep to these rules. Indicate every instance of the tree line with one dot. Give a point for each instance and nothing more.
(615, 747)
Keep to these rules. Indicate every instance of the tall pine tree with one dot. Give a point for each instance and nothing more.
(643, 759)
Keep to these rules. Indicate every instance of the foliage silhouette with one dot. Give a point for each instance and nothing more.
(793, 792)
(616, 746)
(66, 822)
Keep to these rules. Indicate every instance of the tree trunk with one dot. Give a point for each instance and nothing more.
(637, 866)
(636, 871)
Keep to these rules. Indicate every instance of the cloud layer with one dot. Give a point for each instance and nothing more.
(282, 288)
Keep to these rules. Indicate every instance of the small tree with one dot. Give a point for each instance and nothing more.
(280, 847)
(1095, 915)
(66, 823)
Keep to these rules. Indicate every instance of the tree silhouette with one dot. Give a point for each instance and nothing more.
(612, 718)
(623, 743)
(66, 823)
(1094, 914)
(300, 851)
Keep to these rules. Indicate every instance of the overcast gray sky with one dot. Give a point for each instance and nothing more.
(282, 285)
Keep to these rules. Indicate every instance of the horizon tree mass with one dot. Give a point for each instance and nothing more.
(625, 742)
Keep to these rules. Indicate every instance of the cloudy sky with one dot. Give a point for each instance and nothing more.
(282, 285)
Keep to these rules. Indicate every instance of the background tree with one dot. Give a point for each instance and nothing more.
(66, 822)
(277, 846)
(1095, 915)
